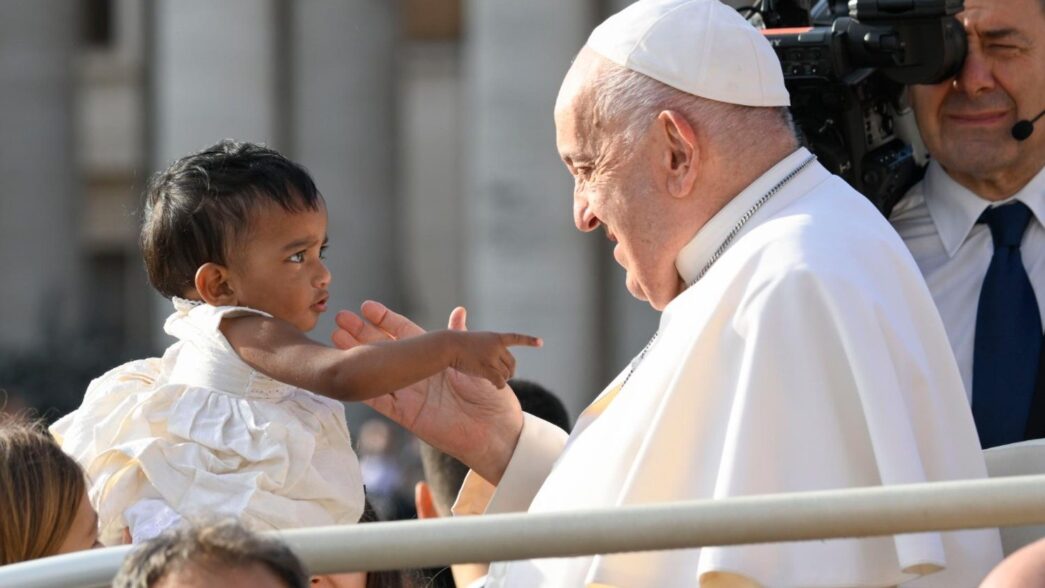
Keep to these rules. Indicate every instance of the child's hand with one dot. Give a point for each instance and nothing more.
(485, 354)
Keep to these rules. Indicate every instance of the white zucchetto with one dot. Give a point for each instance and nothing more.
(702, 47)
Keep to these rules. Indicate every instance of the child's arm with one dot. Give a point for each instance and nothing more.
(278, 350)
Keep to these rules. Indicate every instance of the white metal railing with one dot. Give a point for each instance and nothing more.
(860, 512)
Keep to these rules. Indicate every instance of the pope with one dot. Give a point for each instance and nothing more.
(798, 347)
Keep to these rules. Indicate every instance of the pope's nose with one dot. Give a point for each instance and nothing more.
(584, 218)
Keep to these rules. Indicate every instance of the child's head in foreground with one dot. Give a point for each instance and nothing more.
(238, 224)
(221, 553)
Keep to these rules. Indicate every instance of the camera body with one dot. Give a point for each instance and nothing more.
(846, 64)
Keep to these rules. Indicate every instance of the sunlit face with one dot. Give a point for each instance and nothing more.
(615, 188)
(278, 267)
(83, 533)
(966, 121)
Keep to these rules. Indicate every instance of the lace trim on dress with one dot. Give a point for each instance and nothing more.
(184, 305)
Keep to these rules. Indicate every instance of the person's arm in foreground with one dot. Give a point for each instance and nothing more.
(278, 350)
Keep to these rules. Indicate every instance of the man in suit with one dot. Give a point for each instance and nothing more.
(975, 222)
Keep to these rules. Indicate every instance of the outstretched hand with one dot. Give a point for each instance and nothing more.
(461, 415)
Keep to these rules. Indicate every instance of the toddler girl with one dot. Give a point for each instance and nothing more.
(229, 421)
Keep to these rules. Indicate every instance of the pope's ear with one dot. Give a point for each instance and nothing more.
(680, 153)
(212, 283)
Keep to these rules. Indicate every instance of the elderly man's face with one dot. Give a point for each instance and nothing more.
(615, 188)
(966, 121)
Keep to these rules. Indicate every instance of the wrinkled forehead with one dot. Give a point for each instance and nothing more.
(575, 136)
(570, 126)
(575, 102)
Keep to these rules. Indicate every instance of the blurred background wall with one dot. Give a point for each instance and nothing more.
(427, 125)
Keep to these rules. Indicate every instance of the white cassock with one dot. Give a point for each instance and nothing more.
(809, 357)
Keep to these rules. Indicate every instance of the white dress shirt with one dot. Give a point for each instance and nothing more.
(809, 357)
(937, 219)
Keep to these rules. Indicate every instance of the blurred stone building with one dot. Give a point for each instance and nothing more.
(427, 125)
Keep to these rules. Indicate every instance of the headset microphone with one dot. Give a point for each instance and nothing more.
(1023, 128)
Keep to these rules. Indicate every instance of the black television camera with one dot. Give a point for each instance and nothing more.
(845, 65)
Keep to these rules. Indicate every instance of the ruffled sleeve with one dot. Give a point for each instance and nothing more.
(106, 418)
(121, 386)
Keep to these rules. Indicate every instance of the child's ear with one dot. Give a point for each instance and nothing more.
(212, 282)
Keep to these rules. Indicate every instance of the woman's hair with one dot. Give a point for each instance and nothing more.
(197, 209)
(221, 544)
(40, 492)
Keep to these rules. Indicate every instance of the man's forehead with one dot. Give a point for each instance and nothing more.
(577, 83)
(575, 116)
(570, 135)
(986, 16)
(573, 123)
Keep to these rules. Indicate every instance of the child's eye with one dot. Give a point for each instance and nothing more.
(323, 252)
(298, 257)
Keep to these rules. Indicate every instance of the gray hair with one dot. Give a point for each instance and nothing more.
(224, 543)
(635, 99)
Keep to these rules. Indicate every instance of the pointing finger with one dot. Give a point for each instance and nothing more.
(520, 339)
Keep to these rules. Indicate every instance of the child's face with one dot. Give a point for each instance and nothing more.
(278, 267)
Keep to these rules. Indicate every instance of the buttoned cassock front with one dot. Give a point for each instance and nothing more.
(809, 357)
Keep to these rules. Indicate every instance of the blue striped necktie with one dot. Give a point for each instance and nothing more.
(1008, 334)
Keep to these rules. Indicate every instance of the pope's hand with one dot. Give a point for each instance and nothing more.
(463, 416)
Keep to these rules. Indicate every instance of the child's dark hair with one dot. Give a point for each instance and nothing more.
(196, 208)
(214, 545)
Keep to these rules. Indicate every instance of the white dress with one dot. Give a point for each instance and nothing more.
(198, 432)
